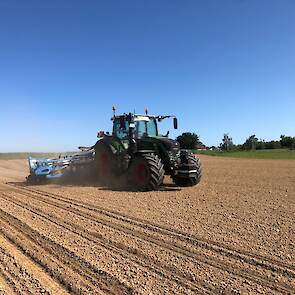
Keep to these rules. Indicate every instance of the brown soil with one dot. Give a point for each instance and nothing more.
(234, 233)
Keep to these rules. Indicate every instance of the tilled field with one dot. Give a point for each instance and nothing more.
(234, 234)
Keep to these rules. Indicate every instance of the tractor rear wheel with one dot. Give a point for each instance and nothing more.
(104, 162)
(145, 173)
(194, 178)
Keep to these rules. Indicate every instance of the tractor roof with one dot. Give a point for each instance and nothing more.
(140, 117)
(137, 117)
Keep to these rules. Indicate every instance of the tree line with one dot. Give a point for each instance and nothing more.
(253, 143)
(190, 140)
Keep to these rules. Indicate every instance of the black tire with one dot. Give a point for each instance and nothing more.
(104, 163)
(194, 178)
(145, 173)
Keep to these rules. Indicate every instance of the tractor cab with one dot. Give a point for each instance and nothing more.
(140, 125)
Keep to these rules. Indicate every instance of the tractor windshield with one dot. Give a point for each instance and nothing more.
(146, 128)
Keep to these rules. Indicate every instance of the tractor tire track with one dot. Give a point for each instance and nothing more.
(248, 257)
(10, 281)
(33, 276)
(246, 274)
(36, 254)
(72, 271)
(250, 275)
(18, 274)
(17, 286)
(6, 287)
(126, 252)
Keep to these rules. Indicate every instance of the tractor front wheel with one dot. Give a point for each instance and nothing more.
(189, 164)
(145, 173)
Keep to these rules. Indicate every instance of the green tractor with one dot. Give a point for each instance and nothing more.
(138, 156)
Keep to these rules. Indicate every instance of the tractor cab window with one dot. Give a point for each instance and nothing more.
(151, 128)
(146, 128)
(121, 129)
(140, 128)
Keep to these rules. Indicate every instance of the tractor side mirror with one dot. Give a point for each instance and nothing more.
(175, 123)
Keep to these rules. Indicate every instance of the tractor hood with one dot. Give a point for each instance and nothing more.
(148, 143)
(170, 144)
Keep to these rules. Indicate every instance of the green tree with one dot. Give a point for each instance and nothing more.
(251, 142)
(188, 140)
(273, 144)
(287, 141)
(227, 143)
(261, 144)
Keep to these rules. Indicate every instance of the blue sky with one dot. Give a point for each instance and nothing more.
(220, 66)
